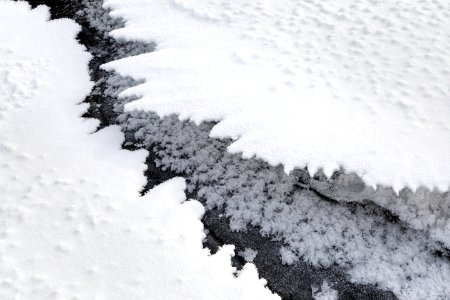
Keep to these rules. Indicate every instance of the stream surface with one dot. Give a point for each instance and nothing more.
(295, 281)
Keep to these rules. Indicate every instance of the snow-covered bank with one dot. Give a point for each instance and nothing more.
(376, 249)
(360, 86)
(72, 224)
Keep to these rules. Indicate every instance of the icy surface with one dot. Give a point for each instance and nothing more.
(248, 254)
(72, 224)
(322, 84)
(325, 292)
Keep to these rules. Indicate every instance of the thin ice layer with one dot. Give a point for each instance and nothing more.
(72, 224)
(363, 86)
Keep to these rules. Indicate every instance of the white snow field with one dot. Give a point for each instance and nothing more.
(72, 224)
(362, 86)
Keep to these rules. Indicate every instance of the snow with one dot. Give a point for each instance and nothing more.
(73, 225)
(359, 86)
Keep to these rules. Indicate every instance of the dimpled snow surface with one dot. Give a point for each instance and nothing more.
(362, 86)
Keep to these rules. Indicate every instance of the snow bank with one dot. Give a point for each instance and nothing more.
(359, 86)
(72, 223)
